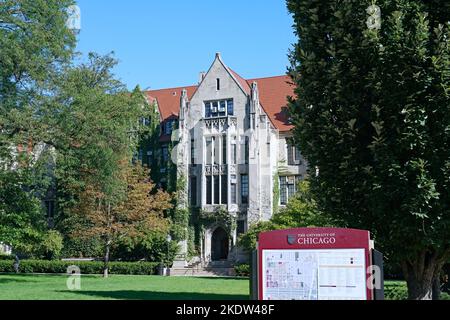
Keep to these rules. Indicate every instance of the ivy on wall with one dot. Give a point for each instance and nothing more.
(221, 217)
(276, 192)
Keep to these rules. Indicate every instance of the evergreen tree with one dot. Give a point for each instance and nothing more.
(373, 115)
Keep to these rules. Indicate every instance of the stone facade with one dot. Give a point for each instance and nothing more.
(233, 152)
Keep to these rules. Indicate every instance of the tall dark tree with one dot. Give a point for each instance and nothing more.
(373, 115)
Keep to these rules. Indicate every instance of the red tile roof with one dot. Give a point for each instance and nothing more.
(244, 84)
(273, 93)
(169, 100)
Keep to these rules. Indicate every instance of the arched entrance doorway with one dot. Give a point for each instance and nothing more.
(219, 245)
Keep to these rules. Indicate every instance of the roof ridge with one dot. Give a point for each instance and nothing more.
(269, 77)
(172, 88)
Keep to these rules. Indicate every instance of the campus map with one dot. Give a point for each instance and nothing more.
(314, 274)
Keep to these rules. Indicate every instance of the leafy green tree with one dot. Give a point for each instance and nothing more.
(94, 125)
(22, 223)
(34, 44)
(300, 212)
(373, 115)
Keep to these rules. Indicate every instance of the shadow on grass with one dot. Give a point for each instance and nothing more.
(223, 278)
(15, 280)
(150, 295)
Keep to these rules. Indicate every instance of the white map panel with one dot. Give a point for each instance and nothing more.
(338, 274)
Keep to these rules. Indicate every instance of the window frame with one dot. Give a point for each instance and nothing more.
(218, 108)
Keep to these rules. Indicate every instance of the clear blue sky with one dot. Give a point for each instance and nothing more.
(166, 43)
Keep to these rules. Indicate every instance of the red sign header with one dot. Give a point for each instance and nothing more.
(314, 238)
(314, 263)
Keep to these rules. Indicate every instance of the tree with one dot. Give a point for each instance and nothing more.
(141, 210)
(34, 44)
(92, 122)
(300, 212)
(22, 222)
(372, 115)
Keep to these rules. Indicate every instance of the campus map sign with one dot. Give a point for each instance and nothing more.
(314, 264)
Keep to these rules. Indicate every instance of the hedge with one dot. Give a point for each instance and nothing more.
(397, 290)
(242, 270)
(86, 267)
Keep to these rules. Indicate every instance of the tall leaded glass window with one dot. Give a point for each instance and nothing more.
(193, 189)
(244, 189)
(247, 150)
(222, 108)
(207, 109)
(192, 151)
(216, 150)
(209, 190)
(288, 188)
(230, 107)
(233, 154)
(233, 190)
(209, 150)
(224, 189)
(224, 149)
(283, 191)
(216, 189)
(291, 188)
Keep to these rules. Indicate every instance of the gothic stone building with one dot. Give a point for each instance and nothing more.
(234, 150)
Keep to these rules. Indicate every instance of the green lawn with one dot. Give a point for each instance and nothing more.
(48, 287)
(53, 287)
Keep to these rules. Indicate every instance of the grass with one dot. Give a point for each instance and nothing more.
(53, 287)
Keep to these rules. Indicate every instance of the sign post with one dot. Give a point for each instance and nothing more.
(315, 264)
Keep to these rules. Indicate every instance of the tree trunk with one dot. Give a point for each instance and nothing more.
(108, 245)
(436, 290)
(106, 261)
(420, 274)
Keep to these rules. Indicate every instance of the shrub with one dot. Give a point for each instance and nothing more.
(6, 257)
(86, 267)
(77, 248)
(51, 245)
(395, 290)
(152, 247)
(242, 270)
